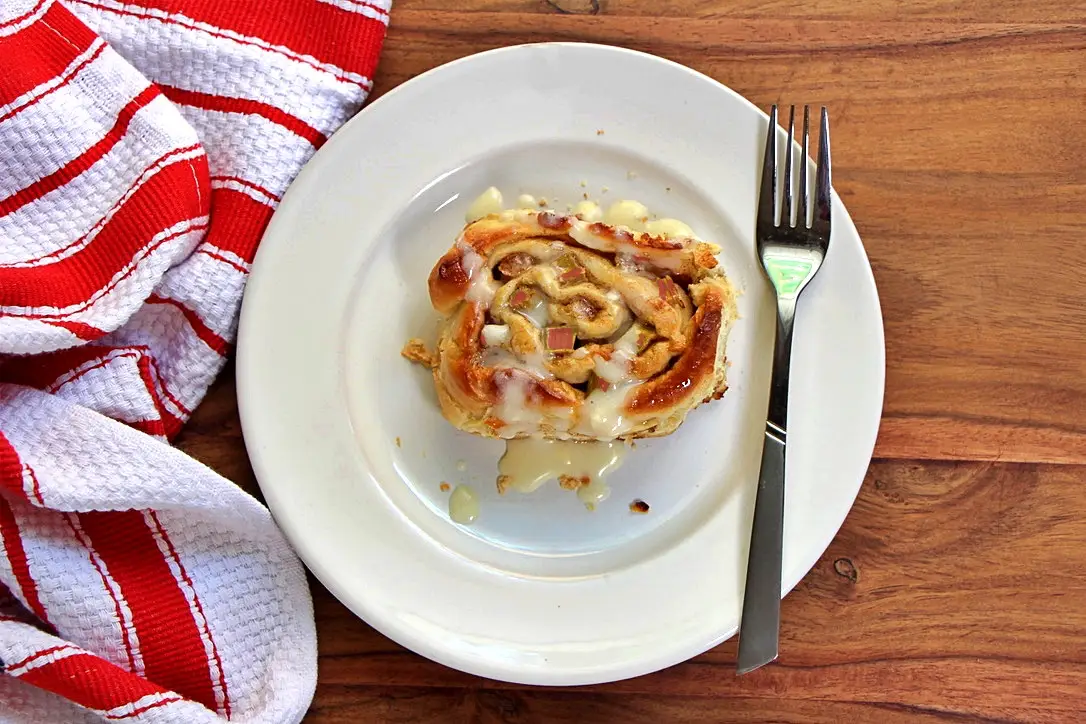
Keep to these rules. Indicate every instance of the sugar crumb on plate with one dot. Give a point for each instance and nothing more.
(571, 482)
(445, 487)
(415, 350)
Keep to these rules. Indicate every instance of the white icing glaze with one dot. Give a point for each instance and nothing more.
(488, 202)
(671, 228)
(513, 410)
(590, 211)
(602, 417)
(481, 284)
(500, 357)
(631, 214)
(594, 493)
(614, 370)
(627, 344)
(536, 363)
(530, 462)
(495, 335)
(538, 313)
(526, 201)
(463, 505)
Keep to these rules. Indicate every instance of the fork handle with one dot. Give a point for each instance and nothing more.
(759, 628)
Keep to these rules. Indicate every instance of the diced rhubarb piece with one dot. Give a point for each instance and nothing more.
(644, 337)
(569, 276)
(560, 338)
(666, 287)
(583, 308)
(520, 299)
(516, 264)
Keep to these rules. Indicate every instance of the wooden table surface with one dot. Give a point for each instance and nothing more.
(956, 590)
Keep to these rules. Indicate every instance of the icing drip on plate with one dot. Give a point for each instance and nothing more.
(463, 505)
(528, 463)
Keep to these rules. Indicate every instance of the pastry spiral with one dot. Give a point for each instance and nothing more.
(563, 328)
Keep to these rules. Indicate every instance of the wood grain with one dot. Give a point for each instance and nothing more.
(1003, 11)
(956, 590)
(485, 706)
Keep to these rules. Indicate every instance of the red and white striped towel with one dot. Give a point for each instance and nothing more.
(143, 147)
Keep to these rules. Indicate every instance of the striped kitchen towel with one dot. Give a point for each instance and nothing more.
(143, 147)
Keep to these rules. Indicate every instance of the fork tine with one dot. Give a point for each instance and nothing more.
(767, 196)
(821, 222)
(786, 207)
(804, 193)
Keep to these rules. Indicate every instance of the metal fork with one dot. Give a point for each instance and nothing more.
(791, 255)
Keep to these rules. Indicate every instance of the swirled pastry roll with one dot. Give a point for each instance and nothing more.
(564, 328)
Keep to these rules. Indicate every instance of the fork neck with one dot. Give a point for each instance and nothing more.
(782, 356)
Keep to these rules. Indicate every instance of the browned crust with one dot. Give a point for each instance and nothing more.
(644, 241)
(458, 363)
(449, 281)
(690, 365)
(486, 234)
(690, 371)
(554, 222)
(416, 351)
(465, 384)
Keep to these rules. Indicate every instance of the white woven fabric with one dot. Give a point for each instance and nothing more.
(146, 145)
(257, 619)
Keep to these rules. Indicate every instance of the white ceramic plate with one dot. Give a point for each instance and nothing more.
(539, 590)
